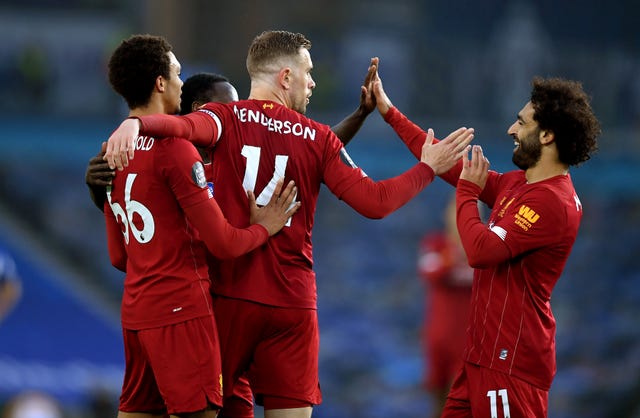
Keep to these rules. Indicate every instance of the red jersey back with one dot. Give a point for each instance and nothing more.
(260, 142)
(167, 277)
(512, 326)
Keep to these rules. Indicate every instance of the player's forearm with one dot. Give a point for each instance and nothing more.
(483, 247)
(197, 127)
(349, 126)
(411, 134)
(376, 200)
(223, 240)
(414, 136)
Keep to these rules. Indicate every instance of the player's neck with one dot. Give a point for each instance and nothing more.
(151, 108)
(262, 91)
(543, 171)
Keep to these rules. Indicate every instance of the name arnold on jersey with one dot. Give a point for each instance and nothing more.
(285, 127)
(143, 143)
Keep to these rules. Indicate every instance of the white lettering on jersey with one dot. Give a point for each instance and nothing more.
(274, 125)
(144, 143)
(578, 203)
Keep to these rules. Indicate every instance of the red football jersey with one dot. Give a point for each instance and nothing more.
(512, 328)
(256, 143)
(167, 277)
(530, 233)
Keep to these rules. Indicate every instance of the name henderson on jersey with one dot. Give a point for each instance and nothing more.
(274, 125)
(144, 143)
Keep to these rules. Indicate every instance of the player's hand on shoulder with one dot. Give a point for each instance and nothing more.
(98, 173)
(275, 214)
(121, 144)
(442, 156)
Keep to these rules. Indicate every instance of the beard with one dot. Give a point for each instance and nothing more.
(528, 152)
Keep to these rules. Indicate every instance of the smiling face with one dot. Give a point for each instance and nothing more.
(301, 83)
(526, 134)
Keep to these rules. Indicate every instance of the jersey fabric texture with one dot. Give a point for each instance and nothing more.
(512, 328)
(481, 392)
(167, 278)
(519, 257)
(164, 373)
(256, 143)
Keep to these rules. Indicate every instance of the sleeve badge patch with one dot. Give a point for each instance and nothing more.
(197, 174)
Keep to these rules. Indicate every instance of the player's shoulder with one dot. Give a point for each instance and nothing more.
(174, 148)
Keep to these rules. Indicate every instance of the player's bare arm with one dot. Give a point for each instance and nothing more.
(349, 126)
(275, 214)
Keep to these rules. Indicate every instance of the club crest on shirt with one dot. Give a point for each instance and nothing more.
(197, 174)
(345, 158)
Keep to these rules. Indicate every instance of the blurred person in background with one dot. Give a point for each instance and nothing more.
(10, 285)
(519, 255)
(447, 278)
(267, 299)
(161, 218)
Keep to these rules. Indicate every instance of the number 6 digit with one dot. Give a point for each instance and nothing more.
(132, 207)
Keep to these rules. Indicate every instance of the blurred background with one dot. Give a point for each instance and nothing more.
(445, 64)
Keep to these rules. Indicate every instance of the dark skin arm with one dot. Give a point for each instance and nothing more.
(98, 177)
(350, 125)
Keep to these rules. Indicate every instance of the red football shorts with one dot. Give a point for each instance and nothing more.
(174, 369)
(276, 348)
(484, 393)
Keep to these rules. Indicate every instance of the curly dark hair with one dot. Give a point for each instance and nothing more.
(135, 65)
(562, 107)
(271, 45)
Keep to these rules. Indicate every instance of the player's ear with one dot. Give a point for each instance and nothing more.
(284, 78)
(160, 84)
(546, 137)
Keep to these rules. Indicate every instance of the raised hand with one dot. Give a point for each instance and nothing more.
(121, 144)
(383, 103)
(476, 169)
(275, 214)
(367, 97)
(446, 153)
